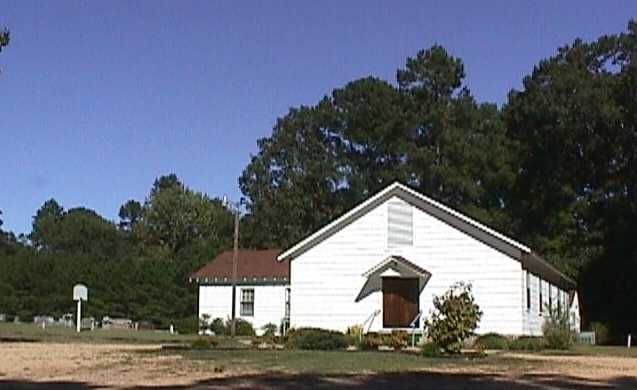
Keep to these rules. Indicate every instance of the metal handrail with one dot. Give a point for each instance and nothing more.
(412, 325)
(369, 319)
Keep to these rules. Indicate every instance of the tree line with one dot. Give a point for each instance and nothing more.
(137, 268)
(555, 166)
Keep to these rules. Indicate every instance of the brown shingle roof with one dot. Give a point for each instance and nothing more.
(251, 264)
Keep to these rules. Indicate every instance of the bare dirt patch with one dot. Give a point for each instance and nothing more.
(587, 368)
(102, 365)
(84, 365)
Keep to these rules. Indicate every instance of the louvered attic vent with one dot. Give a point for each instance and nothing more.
(400, 224)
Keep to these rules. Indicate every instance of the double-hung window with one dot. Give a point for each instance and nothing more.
(247, 302)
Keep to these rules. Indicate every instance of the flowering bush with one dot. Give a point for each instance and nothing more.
(455, 318)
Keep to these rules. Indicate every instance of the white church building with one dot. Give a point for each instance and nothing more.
(380, 265)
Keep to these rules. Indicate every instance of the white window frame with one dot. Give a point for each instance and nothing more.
(244, 301)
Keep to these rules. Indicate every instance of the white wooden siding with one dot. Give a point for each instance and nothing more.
(269, 304)
(326, 279)
(574, 315)
(533, 320)
(215, 301)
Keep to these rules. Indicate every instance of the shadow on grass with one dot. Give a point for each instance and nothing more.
(23, 384)
(421, 380)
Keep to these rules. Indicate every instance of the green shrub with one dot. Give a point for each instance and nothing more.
(354, 331)
(269, 330)
(601, 333)
(491, 341)
(527, 343)
(264, 342)
(557, 330)
(242, 327)
(370, 341)
(204, 343)
(316, 339)
(455, 318)
(218, 327)
(354, 335)
(186, 325)
(204, 322)
(398, 339)
(430, 349)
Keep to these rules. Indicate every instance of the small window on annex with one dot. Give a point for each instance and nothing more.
(247, 302)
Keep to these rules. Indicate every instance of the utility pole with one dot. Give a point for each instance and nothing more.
(235, 258)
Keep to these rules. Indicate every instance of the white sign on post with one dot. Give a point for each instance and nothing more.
(80, 293)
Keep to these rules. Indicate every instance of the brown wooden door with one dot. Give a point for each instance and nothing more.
(400, 301)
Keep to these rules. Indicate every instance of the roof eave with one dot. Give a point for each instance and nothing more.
(534, 262)
(291, 253)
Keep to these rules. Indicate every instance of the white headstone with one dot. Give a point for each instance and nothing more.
(80, 292)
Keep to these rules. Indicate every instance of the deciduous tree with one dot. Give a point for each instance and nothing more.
(129, 214)
(576, 189)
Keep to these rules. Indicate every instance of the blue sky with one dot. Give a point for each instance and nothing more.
(99, 98)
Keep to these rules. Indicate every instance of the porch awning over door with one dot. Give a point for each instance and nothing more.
(398, 266)
(392, 266)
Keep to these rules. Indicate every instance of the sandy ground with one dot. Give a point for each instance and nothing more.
(107, 365)
(82, 366)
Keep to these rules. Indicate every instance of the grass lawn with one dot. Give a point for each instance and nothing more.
(324, 362)
(596, 350)
(339, 362)
(31, 332)
(342, 362)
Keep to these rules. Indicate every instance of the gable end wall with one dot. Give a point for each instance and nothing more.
(327, 278)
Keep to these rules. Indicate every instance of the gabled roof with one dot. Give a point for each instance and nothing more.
(473, 228)
(253, 267)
